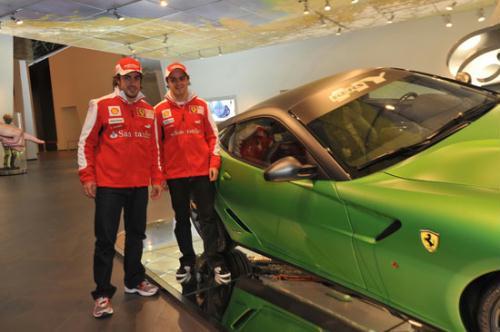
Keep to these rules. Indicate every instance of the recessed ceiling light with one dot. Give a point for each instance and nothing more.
(451, 6)
(390, 19)
(118, 16)
(327, 6)
(17, 20)
(163, 3)
(447, 21)
(480, 15)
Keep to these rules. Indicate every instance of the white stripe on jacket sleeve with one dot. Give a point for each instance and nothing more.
(89, 123)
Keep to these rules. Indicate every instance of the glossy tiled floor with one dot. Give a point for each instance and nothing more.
(46, 248)
(161, 253)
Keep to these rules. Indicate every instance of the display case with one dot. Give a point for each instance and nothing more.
(14, 160)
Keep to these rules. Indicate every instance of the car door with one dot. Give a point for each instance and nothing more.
(302, 222)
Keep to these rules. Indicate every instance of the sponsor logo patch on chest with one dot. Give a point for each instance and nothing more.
(114, 111)
(116, 120)
(166, 113)
(168, 121)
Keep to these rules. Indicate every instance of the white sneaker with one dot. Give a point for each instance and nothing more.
(144, 289)
(183, 274)
(221, 275)
(102, 307)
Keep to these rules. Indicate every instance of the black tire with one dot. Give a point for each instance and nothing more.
(213, 299)
(238, 263)
(488, 313)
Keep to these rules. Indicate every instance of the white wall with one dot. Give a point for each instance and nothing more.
(6, 79)
(258, 74)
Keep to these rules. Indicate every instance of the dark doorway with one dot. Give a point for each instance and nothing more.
(43, 105)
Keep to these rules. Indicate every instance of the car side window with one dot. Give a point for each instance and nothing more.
(264, 141)
(225, 136)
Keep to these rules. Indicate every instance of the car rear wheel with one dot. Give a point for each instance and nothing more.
(212, 298)
(489, 310)
(238, 263)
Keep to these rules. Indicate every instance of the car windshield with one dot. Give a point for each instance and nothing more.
(393, 117)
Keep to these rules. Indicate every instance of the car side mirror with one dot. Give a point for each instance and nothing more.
(289, 169)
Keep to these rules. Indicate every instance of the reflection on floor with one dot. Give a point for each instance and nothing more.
(161, 259)
(161, 253)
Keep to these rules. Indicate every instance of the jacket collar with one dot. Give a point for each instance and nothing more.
(123, 96)
(171, 98)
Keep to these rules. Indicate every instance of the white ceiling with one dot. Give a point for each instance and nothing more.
(188, 29)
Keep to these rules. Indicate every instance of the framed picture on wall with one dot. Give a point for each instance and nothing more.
(222, 108)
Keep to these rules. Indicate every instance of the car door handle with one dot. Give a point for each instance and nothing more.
(226, 176)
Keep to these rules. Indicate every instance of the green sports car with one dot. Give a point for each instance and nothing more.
(384, 181)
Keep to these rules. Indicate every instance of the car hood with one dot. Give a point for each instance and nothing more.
(469, 157)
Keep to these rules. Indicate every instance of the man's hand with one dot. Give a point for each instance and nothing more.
(156, 190)
(213, 173)
(164, 186)
(89, 189)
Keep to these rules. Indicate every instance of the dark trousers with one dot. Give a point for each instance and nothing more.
(202, 191)
(109, 203)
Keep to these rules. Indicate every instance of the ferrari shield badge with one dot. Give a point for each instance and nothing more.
(430, 240)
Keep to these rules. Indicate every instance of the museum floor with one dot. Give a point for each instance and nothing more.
(46, 244)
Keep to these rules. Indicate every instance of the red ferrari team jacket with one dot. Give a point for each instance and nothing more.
(189, 138)
(118, 145)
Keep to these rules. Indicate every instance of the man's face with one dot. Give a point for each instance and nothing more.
(130, 84)
(178, 83)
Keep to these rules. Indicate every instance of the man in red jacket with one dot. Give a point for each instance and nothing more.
(191, 161)
(118, 158)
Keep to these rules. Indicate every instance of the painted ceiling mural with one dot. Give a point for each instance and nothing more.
(190, 29)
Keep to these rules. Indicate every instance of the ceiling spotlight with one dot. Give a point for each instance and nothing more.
(165, 39)
(220, 51)
(451, 6)
(390, 19)
(354, 1)
(117, 16)
(18, 21)
(480, 15)
(339, 31)
(163, 3)
(306, 9)
(447, 21)
(327, 6)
